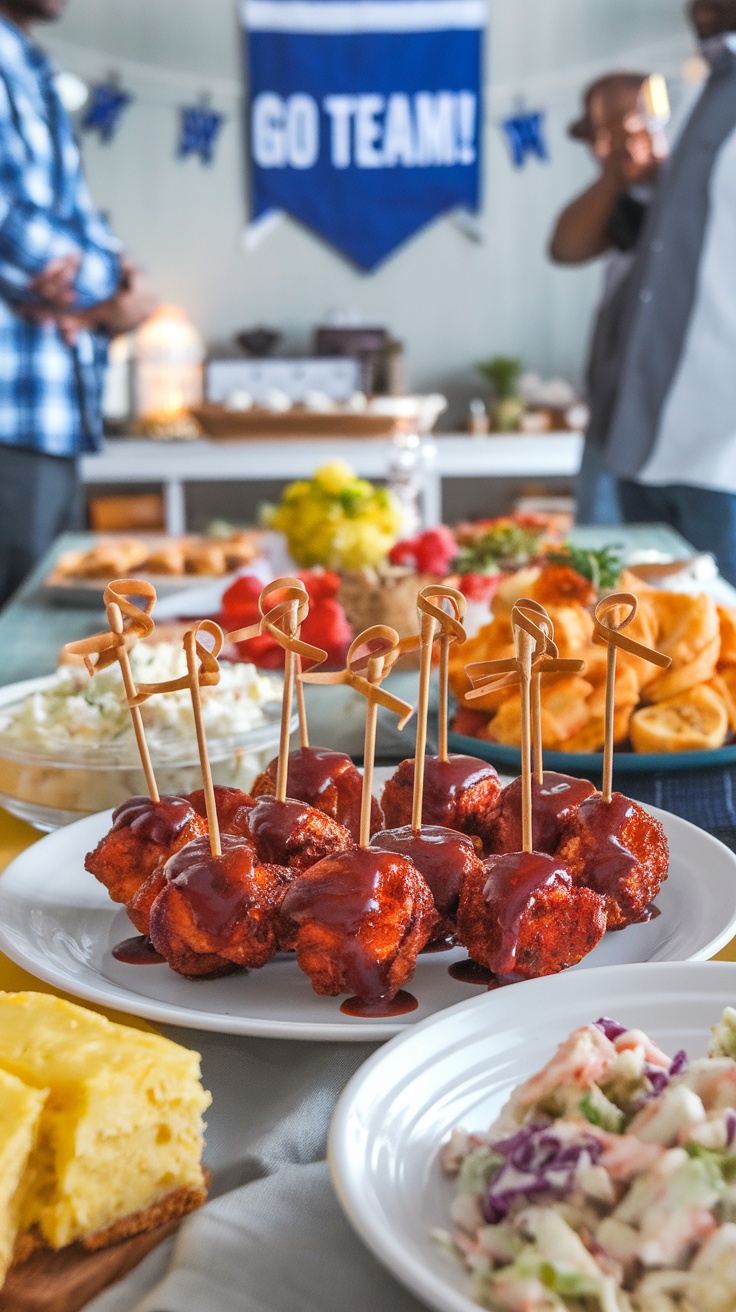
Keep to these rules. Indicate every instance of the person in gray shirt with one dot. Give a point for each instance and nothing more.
(663, 395)
(606, 220)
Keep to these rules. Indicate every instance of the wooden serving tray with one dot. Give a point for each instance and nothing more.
(222, 424)
(65, 1281)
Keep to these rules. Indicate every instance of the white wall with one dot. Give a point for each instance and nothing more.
(451, 300)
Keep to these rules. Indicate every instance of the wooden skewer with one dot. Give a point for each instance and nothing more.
(525, 652)
(301, 706)
(375, 651)
(115, 620)
(612, 615)
(428, 626)
(374, 675)
(213, 822)
(114, 647)
(282, 773)
(610, 714)
(203, 671)
(283, 621)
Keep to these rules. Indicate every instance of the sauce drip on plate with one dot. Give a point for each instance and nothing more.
(401, 1005)
(137, 951)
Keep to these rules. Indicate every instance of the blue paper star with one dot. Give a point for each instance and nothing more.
(199, 130)
(525, 136)
(104, 111)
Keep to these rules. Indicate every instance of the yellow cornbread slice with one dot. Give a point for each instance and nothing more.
(20, 1110)
(122, 1126)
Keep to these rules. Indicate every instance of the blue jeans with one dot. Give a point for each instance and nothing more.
(596, 494)
(705, 517)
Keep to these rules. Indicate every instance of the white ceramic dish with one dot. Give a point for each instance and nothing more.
(59, 923)
(459, 1068)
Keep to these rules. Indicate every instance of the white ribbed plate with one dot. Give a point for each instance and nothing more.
(459, 1068)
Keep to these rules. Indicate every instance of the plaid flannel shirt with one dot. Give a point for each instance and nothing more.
(50, 393)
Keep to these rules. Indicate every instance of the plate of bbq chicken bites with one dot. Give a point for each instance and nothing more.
(218, 951)
(330, 903)
(552, 1148)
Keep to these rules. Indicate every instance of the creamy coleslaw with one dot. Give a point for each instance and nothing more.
(608, 1183)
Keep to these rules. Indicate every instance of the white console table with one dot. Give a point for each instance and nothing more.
(174, 464)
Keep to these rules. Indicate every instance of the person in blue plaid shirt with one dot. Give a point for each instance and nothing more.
(65, 289)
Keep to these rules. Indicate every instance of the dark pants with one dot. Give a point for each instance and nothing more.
(596, 492)
(705, 517)
(39, 498)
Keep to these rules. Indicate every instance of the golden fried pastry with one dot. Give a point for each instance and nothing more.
(626, 690)
(493, 642)
(695, 720)
(513, 587)
(68, 564)
(591, 737)
(681, 677)
(724, 684)
(573, 628)
(239, 550)
(166, 559)
(565, 712)
(727, 622)
(115, 558)
(204, 558)
(686, 625)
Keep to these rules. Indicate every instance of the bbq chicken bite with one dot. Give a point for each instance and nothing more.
(214, 914)
(444, 858)
(326, 780)
(144, 834)
(361, 918)
(228, 801)
(290, 833)
(621, 852)
(553, 804)
(522, 916)
(458, 794)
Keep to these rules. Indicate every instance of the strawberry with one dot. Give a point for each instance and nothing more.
(480, 587)
(404, 553)
(435, 551)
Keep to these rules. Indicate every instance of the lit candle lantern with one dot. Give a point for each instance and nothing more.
(169, 354)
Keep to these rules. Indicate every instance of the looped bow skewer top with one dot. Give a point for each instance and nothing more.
(612, 615)
(371, 657)
(135, 623)
(379, 643)
(208, 673)
(609, 628)
(128, 625)
(283, 622)
(494, 676)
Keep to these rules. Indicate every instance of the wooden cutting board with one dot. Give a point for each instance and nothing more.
(65, 1281)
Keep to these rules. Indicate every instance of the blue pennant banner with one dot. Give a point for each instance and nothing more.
(525, 134)
(199, 129)
(105, 108)
(365, 115)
